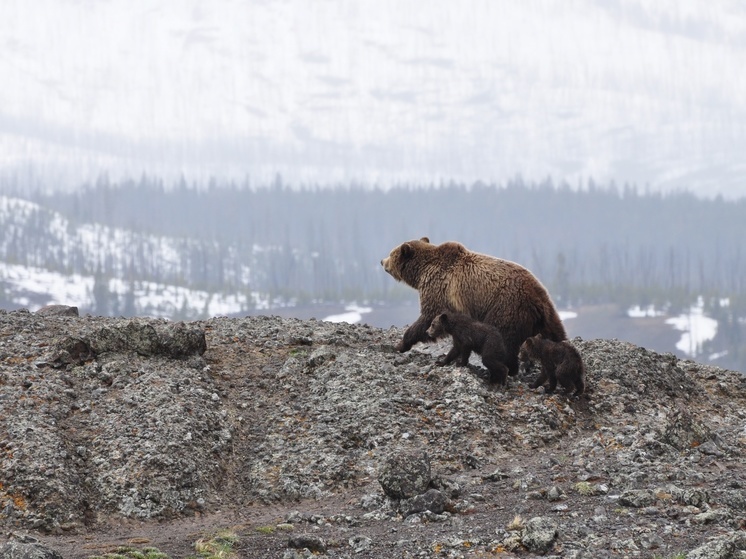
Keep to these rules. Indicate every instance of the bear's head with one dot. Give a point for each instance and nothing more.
(438, 327)
(402, 262)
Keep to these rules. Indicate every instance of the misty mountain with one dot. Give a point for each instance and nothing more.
(375, 92)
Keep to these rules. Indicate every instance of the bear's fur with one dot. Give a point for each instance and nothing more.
(560, 361)
(470, 335)
(450, 277)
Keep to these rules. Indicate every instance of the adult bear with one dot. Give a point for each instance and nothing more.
(449, 277)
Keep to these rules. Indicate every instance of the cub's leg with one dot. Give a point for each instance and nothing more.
(464, 359)
(541, 379)
(450, 356)
(552, 378)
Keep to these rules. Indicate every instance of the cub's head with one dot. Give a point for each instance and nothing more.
(529, 348)
(401, 261)
(438, 327)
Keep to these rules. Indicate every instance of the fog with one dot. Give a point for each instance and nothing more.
(650, 92)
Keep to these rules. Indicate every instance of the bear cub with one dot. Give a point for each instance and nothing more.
(560, 361)
(470, 335)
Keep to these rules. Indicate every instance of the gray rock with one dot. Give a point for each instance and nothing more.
(637, 498)
(719, 548)
(539, 534)
(554, 494)
(360, 544)
(684, 432)
(150, 338)
(405, 474)
(692, 497)
(321, 355)
(305, 541)
(19, 550)
(58, 310)
(432, 500)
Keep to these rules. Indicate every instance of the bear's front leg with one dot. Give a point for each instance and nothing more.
(552, 381)
(541, 379)
(417, 332)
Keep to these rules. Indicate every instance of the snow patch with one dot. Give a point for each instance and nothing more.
(639, 312)
(696, 327)
(37, 287)
(353, 315)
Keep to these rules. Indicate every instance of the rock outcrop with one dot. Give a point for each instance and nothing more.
(105, 419)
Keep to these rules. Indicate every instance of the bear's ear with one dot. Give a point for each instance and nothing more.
(407, 250)
(443, 318)
(425, 240)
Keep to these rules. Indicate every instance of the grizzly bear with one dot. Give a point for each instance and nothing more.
(449, 277)
(560, 361)
(470, 335)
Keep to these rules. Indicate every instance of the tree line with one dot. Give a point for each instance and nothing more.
(587, 244)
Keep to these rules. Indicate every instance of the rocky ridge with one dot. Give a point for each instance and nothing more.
(335, 445)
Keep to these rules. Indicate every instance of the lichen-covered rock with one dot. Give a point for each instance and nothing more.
(684, 432)
(405, 475)
(637, 498)
(539, 534)
(718, 548)
(58, 310)
(431, 500)
(106, 433)
(149, 338)
(22, 550)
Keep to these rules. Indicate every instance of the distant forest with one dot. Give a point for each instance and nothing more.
(588, 243)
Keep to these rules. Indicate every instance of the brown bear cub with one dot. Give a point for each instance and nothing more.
(469, 335)
(449, 277)
(560, 361)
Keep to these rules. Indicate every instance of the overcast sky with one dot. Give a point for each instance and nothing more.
(646, 91)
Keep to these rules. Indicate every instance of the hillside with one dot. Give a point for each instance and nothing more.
(297, 433)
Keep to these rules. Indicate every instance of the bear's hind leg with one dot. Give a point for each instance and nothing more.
(498, 370)
(579, 388)
(571, 378)
(512, 363)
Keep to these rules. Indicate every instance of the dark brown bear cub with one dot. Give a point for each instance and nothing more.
(560, 361)
(470, 335)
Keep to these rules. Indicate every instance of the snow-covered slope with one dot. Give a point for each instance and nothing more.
(32, 288)
(650, 91)
(45, 259)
